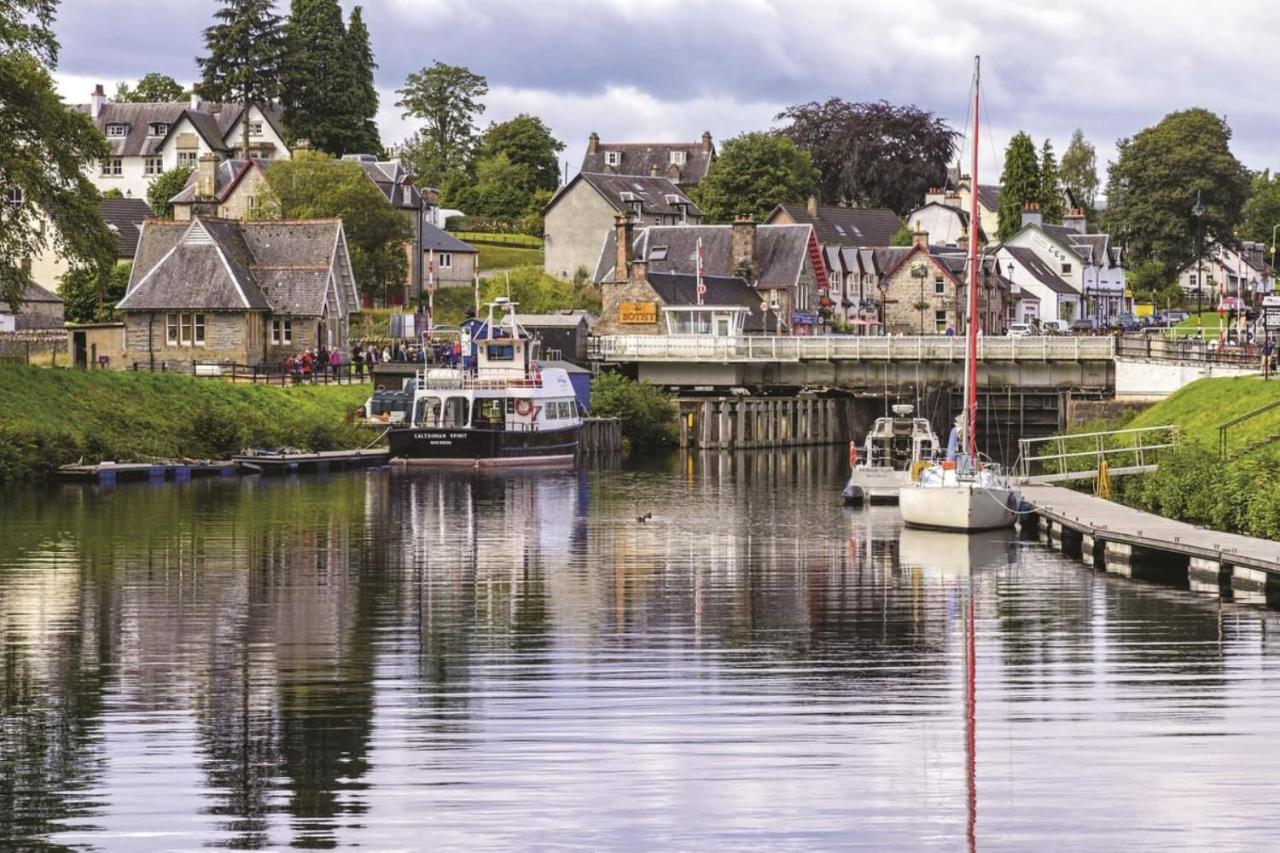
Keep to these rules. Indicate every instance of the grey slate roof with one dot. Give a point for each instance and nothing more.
(439, 240)
(33, 292)
(681, 289)
(780, 251)
(989, 196)
(650, 192)
(212, 121)
(225, 177)
(124, 218)
(1040, 270)
(559, 321)
(392, 179)
(643, 157)
(848, 226)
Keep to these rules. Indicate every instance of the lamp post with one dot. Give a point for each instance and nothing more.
(921, 272)
(1198, 212)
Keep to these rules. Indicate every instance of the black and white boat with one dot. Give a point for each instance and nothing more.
(505, 410)
(895, 450)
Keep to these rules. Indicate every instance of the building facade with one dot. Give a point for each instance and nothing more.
(685, 164)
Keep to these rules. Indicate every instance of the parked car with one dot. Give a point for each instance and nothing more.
(1173, 318)
(1055, 327)
(1084, 326)
(1126, 323)
(1020, 330)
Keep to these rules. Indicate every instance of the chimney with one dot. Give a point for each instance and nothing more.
(654, 171)
(920, 237)
(639, 269)
(96, 101)
(1031, 214)
(935, 195)
(812, 205)
(1076, 221)
(206, 181)
(743, 247)
(706, 140)
(623, 236)
(593, 143)
(195, 96)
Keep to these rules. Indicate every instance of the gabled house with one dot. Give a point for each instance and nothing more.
(149, 139)
(960, 195)
(840, 226)
(1224, 270)
(1084, 260)
(583, 210)
(250, 293)
(944, 220)
(1055, 298)
(40, 308)
(781, 264)
(449, 261)
(684, 163)
(925, 290)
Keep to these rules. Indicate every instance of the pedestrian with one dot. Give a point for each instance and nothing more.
(308, 364)
(386, 354)
(335, 361)
(322, 360)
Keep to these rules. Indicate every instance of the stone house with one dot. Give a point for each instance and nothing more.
(781, 264)
(449, 261)
(250, 293)
(581, 213)
(39, 309)
(925, 290)
(684, 163)
(150, 139)
(1085, 260)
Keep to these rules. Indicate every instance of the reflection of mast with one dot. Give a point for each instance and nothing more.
(970, 750)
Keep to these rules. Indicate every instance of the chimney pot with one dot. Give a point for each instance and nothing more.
(195, 96)
(623, 236)
(812, 205)
(206, 176)
(96, 101)
(1031, 214)
(593, 143)
(743, 243)
(706, 140)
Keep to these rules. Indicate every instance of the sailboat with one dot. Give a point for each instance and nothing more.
(965, 492)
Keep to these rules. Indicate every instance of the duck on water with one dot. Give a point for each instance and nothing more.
(504, 411)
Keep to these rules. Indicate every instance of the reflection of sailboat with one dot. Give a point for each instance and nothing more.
(951, 554)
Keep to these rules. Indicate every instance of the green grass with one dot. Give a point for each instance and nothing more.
(51, 417)
(478, 237)
(1200, 407)
(507, 257)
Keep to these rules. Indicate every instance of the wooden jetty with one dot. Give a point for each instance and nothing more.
(600, 435)
(287, 462)
(1116, 537)
(110, 473)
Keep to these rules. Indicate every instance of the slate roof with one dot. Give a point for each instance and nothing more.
(780, 251)
(225, 177)
(650, 192)
(440, 240)
(1041, 271)
(641, 158)
(847, 226)
(212, 121)
(33, 292)
(1090, 248)
(989, 196)
(681, 289)
(220, 265)
(392, 179)
(559, 321)
(124, 218)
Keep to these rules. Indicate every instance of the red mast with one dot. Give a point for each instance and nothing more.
(971, 379)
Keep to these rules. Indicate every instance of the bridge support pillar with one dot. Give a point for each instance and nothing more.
(724, 425)
(1250, 585)
(707, 441)
(1088, 550)
(1119, 558)
(1209, 576)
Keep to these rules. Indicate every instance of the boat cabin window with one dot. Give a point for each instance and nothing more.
(456, 412)
(489, 413)
(500, 352)
(566, 409)
(428, 412)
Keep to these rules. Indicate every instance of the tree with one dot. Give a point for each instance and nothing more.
(1152, 186)
(1261, 213)
(91, 295)
(44, 151)
(1019, 183)
(501, 189)
(648, 415)
(365, 136)
(872, 154)
(153, 88)
(1079, 170)
(902, 237)
(447, 99)
(754, 173)
(319, 84)
(314, 186)
(246, 56)
(165, 187)
(528, 143)
(1050, 188)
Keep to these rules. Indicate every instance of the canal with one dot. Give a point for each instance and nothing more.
(411, 662)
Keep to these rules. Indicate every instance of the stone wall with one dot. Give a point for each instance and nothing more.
(901, 317)
(631, 291)
(227, 338)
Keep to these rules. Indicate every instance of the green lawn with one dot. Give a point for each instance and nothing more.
(1200, 407)
(507, 257)
(478, 237)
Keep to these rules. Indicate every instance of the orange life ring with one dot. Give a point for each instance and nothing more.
(524, 408)
(853, 454)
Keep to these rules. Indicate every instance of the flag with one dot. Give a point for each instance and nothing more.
(698, 261)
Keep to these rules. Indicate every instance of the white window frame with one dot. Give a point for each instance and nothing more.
(613, 158)
(153, 165)
(14, 197)
(444, 260)
(679, 158)
(171, 329)
(255, 128)
(940, 321)
(1066, 269)
(939, 285)
(198, 329)
(188, 158)
(116, 130)
(112, 167)
(184, 330)
(282, 332)
(158, 128)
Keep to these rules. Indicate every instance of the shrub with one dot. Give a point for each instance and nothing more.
(322, 438)
(215, 435)
(647, 413)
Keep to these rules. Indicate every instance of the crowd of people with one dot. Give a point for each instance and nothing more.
(320, 364)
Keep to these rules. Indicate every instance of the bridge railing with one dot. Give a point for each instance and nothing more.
(1077, 456)
(750, 348)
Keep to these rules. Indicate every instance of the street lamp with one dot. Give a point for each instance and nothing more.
(921, 272)
(1198, 212)
(1010, 277)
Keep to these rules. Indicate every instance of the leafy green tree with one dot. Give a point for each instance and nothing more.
(44, 151)
(365, 138)
(1152, 281)
(153, 88)
(648, 415)
(1261, 213)
(753, 174)
(1019, 183)
(1079, 170)
(91, 295)
(319, 91)
(501, 189)
(315, 186)
(165, 187)
(447, 99)
(1050, 186)
(901, 237)
(114, 192)
(246, 55)
(1152, 186)
(527, 142)
(532, 222)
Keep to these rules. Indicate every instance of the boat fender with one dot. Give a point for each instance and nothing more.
(853, 454)
(853, 495)
(916, 468)
(524, 408)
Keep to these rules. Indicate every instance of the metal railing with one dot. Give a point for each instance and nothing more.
(1186, 350)
(1224, 428)
(846, 348)
(343, 374)
(1077, 456)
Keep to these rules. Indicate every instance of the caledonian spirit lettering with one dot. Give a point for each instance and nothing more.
(637, 312)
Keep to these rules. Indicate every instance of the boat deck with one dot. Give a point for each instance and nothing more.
(108, 473)
(286, 463)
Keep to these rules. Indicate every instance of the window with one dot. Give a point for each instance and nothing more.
(188, 158)
(199, 327)
(428, 413)
(456, 410)
(613, 158)
(1193, 279)
(115, 131)
(446, 260)
(154, 166)
(1066, 268)
(658, 253)
(678, 158)
(939, 321)
(14, 197)
(184, 330)
(171, 330)
(112, 167)
(282, 332)
(939, 285)
(255, 128)
(500, 352)
(157, 128)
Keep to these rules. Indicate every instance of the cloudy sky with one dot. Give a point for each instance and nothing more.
(668, 69)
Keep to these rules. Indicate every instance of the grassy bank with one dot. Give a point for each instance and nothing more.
(506, 257)
(51, 417)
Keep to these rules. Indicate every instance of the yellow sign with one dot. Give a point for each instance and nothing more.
(1144, 309)
(637, 312)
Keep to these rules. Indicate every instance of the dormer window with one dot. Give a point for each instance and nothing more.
(678, 158)
(658, 253)
(117, 130)
(158, 128)
(613, 158)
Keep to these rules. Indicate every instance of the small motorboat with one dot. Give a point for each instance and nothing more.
(893, 450)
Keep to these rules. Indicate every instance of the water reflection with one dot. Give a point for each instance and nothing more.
(409, 661)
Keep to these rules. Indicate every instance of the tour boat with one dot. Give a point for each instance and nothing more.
(894, 448)
(505, 410)
(964, 492)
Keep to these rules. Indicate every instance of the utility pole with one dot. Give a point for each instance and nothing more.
(1198, 212)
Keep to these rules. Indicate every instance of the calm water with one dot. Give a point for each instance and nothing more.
(405, 662)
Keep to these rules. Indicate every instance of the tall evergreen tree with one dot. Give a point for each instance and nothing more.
(365, 96)
(319, 82)
(1019, 183)
(1050, 191)
(1079, 170)
(246, 55)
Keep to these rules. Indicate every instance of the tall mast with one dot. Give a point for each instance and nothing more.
(971, 358)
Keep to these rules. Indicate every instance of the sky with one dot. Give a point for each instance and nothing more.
(662, 70)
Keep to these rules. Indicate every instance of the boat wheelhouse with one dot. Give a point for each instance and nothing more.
(506, 410)
(893, 450)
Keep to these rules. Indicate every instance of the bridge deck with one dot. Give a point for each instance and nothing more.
(1112, 522)
(708, 348)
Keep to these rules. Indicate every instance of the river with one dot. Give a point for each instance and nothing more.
(412, 662)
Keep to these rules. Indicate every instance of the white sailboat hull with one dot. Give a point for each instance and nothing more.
(963, 506)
